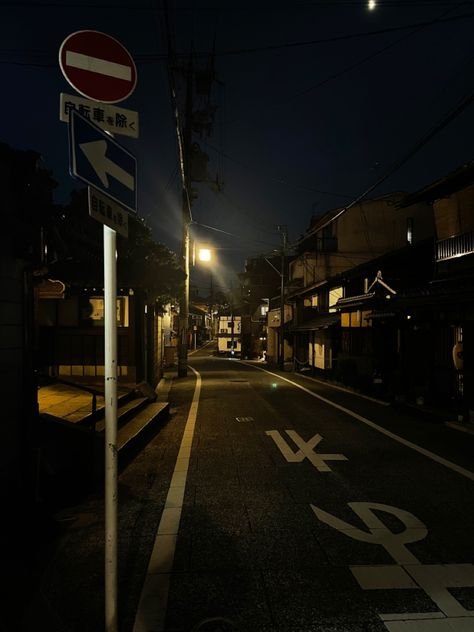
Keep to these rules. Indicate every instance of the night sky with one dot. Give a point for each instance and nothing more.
(316, 101)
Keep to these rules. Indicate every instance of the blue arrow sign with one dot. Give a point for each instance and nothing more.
(98, 160)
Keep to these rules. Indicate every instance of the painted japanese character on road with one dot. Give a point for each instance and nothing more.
(408, 572)
(306, 450)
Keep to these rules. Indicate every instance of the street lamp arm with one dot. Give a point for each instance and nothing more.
(276, 269)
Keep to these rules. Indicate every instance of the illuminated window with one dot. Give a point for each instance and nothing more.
(410, 230)
(334, 295)
(93, 312)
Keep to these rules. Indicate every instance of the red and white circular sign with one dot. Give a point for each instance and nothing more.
(98, 66)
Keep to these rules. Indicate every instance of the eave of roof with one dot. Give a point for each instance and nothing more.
(459, 179)
(354, 301)
(320, 322)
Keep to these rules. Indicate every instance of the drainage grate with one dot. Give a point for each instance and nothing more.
(244, 419)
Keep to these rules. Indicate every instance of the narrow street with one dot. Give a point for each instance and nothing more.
(290, 506)
(237, 316)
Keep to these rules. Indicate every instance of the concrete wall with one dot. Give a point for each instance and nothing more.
(273, 333)
(454, 215)
(364, 232)
(16, 376)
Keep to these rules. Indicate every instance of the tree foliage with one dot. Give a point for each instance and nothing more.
(27, 206)
(64, 242)
(142, 263)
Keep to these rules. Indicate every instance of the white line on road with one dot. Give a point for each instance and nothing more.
(431, 455)
(206, 344)
(343, 389)
(151, 610)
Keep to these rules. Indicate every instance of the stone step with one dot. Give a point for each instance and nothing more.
(125, 412)
(136, 428)
(71, 455)
(84, 415)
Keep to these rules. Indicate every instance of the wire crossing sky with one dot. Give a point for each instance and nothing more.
(315, 103)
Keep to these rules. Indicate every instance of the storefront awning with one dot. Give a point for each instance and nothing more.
(320, 322)
(352, 302)
(379, 315)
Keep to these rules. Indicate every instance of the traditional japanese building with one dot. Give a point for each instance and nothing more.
(335, 243)
(260, 282)
(439, 336)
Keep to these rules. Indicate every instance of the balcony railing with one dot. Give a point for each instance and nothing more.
(455, 246)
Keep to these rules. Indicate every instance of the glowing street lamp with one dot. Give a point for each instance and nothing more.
(372, 4)
(204, 254)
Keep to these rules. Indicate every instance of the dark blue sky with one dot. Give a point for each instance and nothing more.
(299, 129)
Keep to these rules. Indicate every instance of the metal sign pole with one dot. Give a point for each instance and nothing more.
(93, 157)
(111, 481)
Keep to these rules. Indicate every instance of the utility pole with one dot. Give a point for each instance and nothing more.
(191, 161)
(184, 147)
(232, 322)
(183, 334)
(211, 307)
(282, 229)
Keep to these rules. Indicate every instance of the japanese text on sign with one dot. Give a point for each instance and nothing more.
(108, 212)
(108, 117)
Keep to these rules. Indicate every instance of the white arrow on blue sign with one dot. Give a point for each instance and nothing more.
(98, 160)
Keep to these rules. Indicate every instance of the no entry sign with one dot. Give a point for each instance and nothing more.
(98, 66)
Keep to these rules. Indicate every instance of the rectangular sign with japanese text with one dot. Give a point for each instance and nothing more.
(106, 211)
(108, 117)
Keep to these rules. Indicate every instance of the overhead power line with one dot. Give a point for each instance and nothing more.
(290, 7)
(242, 238)
(152, 57)
(279, 180)
(354, 65)
(465, 102)
(341, 38)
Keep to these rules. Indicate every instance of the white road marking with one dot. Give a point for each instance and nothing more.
(383, 577)
(100, 66)
(457, 624)
(431, 455)
(435, 579)
(306, 450)
(343, 389)
(151, 610)
(206, 344)
(409, 573)
(403, 616)
(379, 533)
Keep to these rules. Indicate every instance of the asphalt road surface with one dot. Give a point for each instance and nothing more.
(295, 506)
(270, 502)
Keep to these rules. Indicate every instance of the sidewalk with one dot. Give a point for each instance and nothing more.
(71, 402)
(56, 555)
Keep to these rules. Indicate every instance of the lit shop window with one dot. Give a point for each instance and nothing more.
(334, 295)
